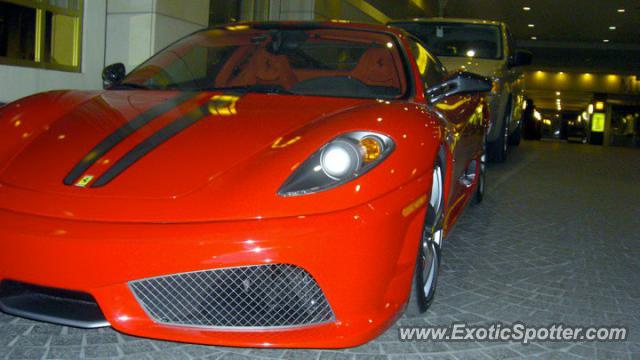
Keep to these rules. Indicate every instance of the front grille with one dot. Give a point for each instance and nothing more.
(261, 296)
(59, 306)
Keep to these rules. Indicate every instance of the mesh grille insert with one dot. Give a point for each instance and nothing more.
(261, 296)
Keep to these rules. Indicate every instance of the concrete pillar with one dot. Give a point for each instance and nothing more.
(309, 10)
(254, 10)
(138, 29)
(292, 10)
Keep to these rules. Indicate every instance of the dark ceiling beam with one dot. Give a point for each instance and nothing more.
(577, 45)
(586, 60)
(402, 9)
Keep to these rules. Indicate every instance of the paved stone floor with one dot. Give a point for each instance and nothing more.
(557, 240)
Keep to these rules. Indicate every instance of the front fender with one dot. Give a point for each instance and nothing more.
(251, 188)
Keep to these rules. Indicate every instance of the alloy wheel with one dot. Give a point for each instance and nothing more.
(432, 236)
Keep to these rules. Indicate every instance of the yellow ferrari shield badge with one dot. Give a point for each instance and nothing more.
(84, 181)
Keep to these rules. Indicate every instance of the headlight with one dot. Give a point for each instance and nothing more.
(340, 158)
(339, 161)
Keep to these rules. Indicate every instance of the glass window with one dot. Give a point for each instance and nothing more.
(41, 33)
(510, 44)
(17, 31)
(458, 39)
(625, 126)
(431, 70)
(60, 39)
(317, 62)
(224, 12)
(66, 4)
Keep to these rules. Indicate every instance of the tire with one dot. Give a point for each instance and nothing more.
(539, 133)
(478, 195)
(498, 149)
(427, 268)
(516, 137)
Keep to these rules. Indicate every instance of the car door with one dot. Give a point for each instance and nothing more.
(464, 116)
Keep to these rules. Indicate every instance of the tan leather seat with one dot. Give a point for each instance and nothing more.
(377, 68)
(266, 68)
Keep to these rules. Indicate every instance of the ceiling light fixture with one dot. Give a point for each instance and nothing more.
(526, 8)
(534, 38)
(557, 93)
(622, 11)
(612, 27)
(605, 40)
(532, 25)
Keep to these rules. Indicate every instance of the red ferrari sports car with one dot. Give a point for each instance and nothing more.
(267, 185)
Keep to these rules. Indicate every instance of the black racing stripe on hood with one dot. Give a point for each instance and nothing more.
(150, 143)
(122, 133)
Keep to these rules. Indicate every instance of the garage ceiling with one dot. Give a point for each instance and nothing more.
(579, 36)
(569, 35)
(574, 21)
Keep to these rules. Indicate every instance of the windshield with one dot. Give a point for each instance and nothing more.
(325, 62)
(458, 39)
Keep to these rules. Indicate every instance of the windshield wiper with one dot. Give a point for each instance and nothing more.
(125, 86)
(260, 89)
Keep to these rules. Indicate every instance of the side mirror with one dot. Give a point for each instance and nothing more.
(113, 75)
(521, 58)
(460, 83)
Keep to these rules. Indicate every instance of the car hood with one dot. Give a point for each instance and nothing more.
(228, 164)
(484, 67)
(211, 133)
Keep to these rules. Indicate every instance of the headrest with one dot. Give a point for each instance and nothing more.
(377, 67)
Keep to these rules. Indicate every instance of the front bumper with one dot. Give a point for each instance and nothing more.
(361, 258)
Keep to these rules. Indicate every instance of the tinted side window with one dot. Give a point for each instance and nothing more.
(430, 69)
(510, 44)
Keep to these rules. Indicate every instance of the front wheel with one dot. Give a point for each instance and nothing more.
(516, 137)
(427, 268)
(498, 149)
(478, 196)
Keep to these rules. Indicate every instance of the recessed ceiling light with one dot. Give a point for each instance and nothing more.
(534, 38)
(526, 8)
(532, 25)
(558, 93)
(621, 10)
(605, 40)
(612, 27)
